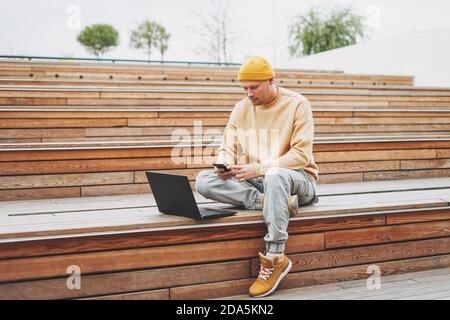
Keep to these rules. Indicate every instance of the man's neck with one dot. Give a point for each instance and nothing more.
(273, 95)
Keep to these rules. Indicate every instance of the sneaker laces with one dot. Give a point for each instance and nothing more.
(265, 273)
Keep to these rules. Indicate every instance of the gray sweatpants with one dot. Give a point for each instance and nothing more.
(277, 186)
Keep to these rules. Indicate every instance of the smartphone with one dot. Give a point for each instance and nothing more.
(221, 166)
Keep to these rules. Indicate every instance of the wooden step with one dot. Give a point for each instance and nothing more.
(124, 250)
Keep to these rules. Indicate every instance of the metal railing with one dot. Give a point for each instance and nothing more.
(30, 58)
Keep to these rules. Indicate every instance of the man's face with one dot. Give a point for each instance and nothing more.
(259, 92)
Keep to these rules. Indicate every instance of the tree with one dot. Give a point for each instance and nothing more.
(216, 31)
(313, 32)
(150, 35)
(98, 38)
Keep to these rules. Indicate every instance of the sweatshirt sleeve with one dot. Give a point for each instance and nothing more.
(301, 144)
(228, 150)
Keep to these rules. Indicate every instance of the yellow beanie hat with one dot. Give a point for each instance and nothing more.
(255, 69)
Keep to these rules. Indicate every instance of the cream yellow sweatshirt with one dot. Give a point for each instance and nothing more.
(279, 134)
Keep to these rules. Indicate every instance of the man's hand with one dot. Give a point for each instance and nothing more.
(243, 171)
(224, 175)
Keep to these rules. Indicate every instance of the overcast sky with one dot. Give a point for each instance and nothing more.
(50, 27)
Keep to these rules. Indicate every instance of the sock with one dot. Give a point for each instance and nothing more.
(272, 255)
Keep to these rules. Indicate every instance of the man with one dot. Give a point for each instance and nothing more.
(267, 145)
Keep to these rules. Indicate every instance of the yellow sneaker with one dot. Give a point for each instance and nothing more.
(270, 275)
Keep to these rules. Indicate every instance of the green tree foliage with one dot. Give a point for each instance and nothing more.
(315, 32)
(98, 38)
(150, 35)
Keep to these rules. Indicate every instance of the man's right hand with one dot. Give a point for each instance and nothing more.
(224, 175)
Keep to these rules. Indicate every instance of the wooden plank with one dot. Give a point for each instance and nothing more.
(64, 180)
(100, 153)
(401, 114)
(42, 133)
(84, 221)
(424, 164)
(340, 178)
(391, 120)
(383, 186)
(111, 190)
(41, 193)
(443, 153)
(26, 140)
(293, 85)
(127, 102)
(191, 174)
(84, 166)
(149, 217)
(416, 217)
(211, 290)
(115, 202)
(364, 255)
(177, 122)
(343, 293)
(381, 128)
(363, 166)
(111, 114)
(162, 294)
(369, 104)
(48, 94)
(195, 114)
(61, 123)
(386, 234)
(380, 145)
(400, 277)
(419, 104)
(309, 278)
(33, 101)
(116, 141)
(173, 94)
(376, 202)
(394, 292)
(371, 156)
(148, 131)
(195, 234)
(120, 260)
(108, 284)
(410, 174)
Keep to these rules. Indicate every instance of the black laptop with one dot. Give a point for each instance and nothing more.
(173, 195)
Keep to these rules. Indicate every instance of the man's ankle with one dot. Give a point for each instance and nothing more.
(273, 255)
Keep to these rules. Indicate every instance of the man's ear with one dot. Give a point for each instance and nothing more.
(271, 81)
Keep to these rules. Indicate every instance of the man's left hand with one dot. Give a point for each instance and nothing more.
(243, 171)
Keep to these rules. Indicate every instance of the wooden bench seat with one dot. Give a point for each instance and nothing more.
(215, 85)
(83, 170)
(207, 98)
(190, 73)
(126, 249)
(44, 125)
(82, 152)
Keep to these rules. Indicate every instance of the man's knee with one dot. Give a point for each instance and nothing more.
(203, 179)
(276, 176)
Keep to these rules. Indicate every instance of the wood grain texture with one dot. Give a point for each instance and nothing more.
(56, 245)
(366, 254)
(106, 284)
(386, 234)
(121, 260)
(146, 295)
(310, 278)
